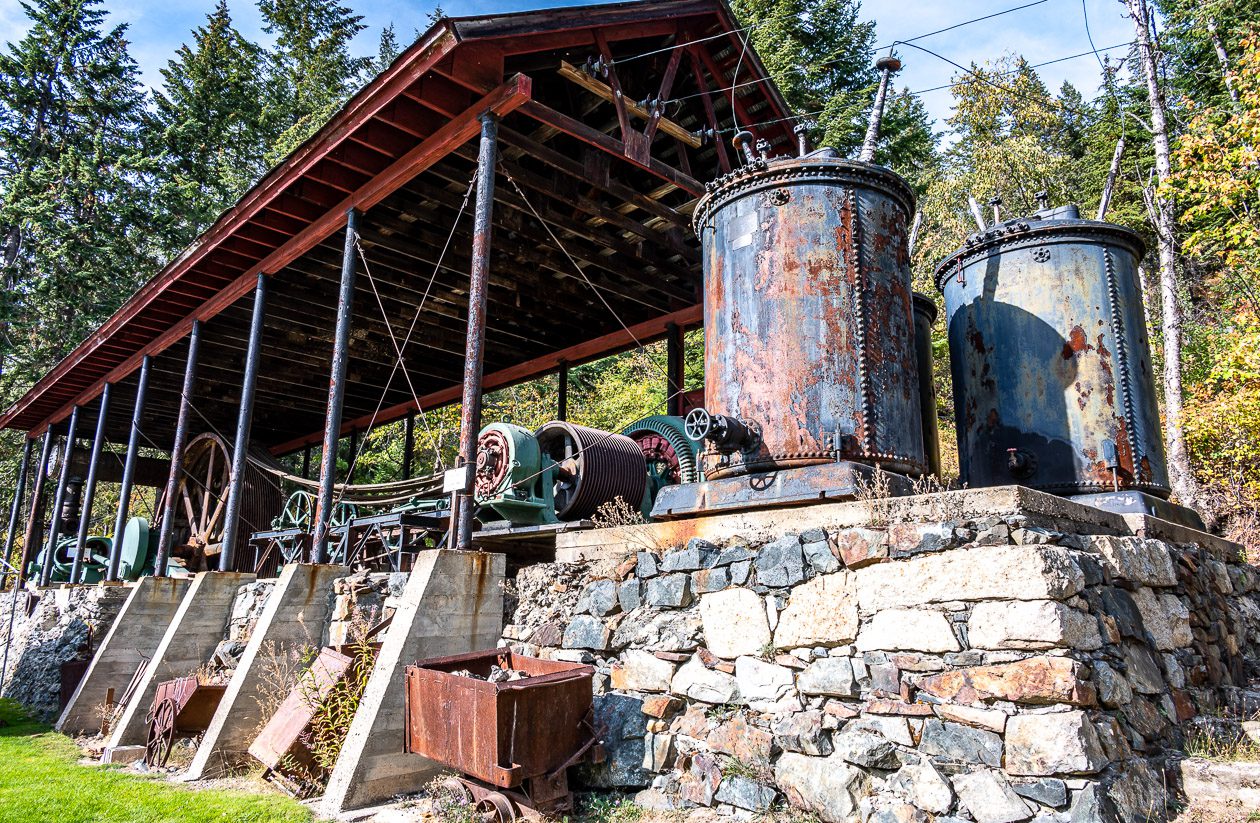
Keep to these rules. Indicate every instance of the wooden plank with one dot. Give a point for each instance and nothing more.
(602, 89)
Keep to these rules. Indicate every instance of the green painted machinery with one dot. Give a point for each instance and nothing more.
(139, 546)
(514, 479)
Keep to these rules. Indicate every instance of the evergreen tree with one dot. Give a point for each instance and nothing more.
(312, 71)
(386, 52)
(210, 132)
(72, 182)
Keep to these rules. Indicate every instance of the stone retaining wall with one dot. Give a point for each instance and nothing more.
(987, 669)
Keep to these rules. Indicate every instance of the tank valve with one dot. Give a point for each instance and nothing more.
(744, 142)
(1021, 464)
(726, 433)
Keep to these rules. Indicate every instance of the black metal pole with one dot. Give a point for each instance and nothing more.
(336, 392)
(562, 393)
(675, 365)
(244, 421)
(177, 452)
(15, 511)
(409, 445)
(474, 348)
(54, 524)
(35, 519)
(129, 470)
(89, 488)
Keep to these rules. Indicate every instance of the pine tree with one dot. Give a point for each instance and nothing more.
(72, 181)
(312, 71)
(208, 127)
(386, 52)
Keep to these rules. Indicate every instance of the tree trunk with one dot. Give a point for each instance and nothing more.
(1112, 173)
(1223, 57)
(1183, 480)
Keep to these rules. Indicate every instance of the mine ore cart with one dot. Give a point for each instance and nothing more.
(512, 740)
(181, 708)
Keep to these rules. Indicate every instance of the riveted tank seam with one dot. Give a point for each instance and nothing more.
(1120, 341)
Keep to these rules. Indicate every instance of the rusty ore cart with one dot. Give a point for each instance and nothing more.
(182, 707)
(514, 741)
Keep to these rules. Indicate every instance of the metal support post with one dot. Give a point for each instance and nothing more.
(177, 452)
(675, 365)
(336, 392)
(15, 511)
(89, 488)
(54, 524)
(474, 349)
(244, 420)
(35, 520)
(409, 445)
(562, 392)
(129, 470)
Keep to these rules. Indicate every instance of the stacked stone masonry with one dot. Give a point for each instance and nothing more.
(991, 670)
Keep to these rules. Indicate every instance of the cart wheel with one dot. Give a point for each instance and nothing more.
(161, 733)
(496, 807)
(458, 790)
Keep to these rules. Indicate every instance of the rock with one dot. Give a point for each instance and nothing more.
(989, 798)
(747, 744)
(661, 705)
(827, 786)
(763, 684)
(734, 554)
(599, 598)
(908, 629)
(1137, 559)
(669, 591)
(735, 623)
(893, 729)
(906, 539)
(861, 547)
(864, 748)
(822, 612)
(743, 793)
(1114, 690)
(1119, 606)
(1048, 791)
(1143, 672)
(924, 786)
(1136, 788)
(630, 595)
(780, 563)
(803, 732)
(990, 719)
(647, 565)
(710, 580)
(1031, 624)
(1036, 680)
(1046, 744)
(953, 743)
(818, 554)
(1165, 617)
(986, 573)
(1035, 536)
(658, 752)
(883, 810)
(740, 571)
(586, 632)
(698, 554)
(671, 631)
(642, 671)
(831, 676)
(695, 681)
(1216, 786)
(699, 783)
(624, 746)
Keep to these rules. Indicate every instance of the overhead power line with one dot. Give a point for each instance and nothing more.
(964, 23)
(1036, 65)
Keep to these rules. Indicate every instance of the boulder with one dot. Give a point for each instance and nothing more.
(803, 732)
(642, 671)
(908, 630)
(989, 797)
(1031, 624)
(763, 684)
(781, 562)
(1036, 680)
(696, 682)
(669, 591)
(818, 555)
(1137, 559)
(624, 749)
(1165, 617)
(861, 547)
(924, 786)
(743, 793)
(822, 612)
(831, 676)
(955, 743)
(1047, 744)
(865, 748)
(826, 786)
(586, 632)
(746, 743)
(735, 623)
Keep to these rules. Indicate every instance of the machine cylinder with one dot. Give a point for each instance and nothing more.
(1053, 383)
(924, 318)
(808, 315)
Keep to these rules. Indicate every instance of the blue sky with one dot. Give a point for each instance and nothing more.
(1048, 31)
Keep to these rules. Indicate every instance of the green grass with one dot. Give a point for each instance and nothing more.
(41, 780)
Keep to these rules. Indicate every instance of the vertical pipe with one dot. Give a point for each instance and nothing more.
(129, 469)
(15, 511)
(177, 452)
(89, 489)
(409, 445)
(562, 394)
(244, 421)
(35, 519)
(54, 524)
(888, 66)
(474, 351)
(336, 392)
(675, 365)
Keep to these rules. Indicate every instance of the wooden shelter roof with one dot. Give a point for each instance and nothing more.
(613, 181)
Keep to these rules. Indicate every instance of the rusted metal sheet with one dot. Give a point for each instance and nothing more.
(502, 733)
(808, 314)
(924, 318)
(181, 707)
(280, 741)
(1053, 383)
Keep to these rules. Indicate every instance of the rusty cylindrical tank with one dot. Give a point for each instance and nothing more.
(808, 315)
(924, 318)
(1053, 384)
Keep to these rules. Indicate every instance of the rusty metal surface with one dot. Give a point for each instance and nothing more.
(924, 318)
(195, 702)
(502, 733)
(72, 672)
(281, 738)
(1053, 383)
(808, 314)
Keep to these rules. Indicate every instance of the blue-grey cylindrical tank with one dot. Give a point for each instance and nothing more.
(1053, 382)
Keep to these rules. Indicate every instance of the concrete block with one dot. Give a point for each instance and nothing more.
(122, 755)
(132, 639)
(190, 638)
(453, 603)
(295, 615)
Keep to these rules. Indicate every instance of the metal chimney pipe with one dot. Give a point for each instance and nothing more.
(889, 65)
